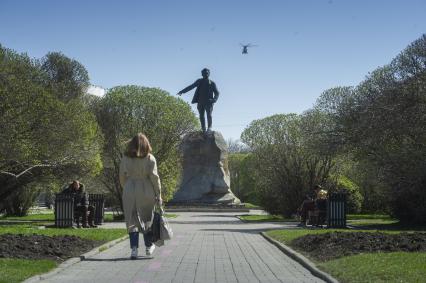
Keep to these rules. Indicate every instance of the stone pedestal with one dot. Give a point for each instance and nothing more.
(205, 178)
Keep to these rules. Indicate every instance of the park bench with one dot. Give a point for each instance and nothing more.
(331, 211)
(65, 215)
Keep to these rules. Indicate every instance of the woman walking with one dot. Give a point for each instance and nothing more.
(141, 190)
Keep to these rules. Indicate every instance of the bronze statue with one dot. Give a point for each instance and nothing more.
(206, 94)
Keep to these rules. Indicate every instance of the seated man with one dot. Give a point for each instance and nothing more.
(81, 204)
(314, 201)
(320, 205)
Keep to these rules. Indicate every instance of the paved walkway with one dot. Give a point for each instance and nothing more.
(207, 247)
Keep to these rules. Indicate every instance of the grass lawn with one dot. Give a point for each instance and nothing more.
(368, 216)
(286, 236)
(379, 267)
(32, 217)
(251, 206)
(17, 270)
(368, 267)
(265, 218)
(102, 235)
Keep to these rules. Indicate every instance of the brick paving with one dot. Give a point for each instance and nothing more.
(207, 247)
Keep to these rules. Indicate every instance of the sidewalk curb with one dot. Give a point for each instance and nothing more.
(71, 261)
(301, 259)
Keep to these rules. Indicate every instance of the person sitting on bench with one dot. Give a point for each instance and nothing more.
(81, 204)
(320, 205)
(316, 199)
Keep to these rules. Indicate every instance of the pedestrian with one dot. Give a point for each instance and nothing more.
(141, 191)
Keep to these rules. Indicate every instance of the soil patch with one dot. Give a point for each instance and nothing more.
(332, 245)
(57, 248)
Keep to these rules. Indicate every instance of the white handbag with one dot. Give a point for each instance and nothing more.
(166, 232)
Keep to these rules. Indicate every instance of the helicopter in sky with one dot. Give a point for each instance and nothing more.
(246, 46)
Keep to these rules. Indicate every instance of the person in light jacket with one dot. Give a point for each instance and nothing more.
(141, 191)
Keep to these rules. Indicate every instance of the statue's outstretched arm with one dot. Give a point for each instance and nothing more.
(188, 88)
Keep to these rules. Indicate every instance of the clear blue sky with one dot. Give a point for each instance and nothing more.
(304, 47)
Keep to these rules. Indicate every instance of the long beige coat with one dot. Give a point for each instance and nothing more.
(141, 185)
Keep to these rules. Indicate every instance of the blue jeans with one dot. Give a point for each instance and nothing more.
(134, 239)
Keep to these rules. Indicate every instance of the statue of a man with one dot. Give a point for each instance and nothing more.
(206, 94)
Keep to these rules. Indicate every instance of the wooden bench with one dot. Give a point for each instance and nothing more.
(64, 209)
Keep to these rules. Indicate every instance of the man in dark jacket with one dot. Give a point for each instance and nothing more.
(81, 204)
(206, 94)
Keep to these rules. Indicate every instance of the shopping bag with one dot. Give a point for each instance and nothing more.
(166, 232)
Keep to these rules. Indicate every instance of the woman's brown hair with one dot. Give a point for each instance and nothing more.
(138, 146)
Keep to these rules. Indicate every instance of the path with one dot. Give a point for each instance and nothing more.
(207, 247)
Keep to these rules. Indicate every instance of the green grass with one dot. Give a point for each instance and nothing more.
(251, 206)
(102, 235)
(367, 216)
(31, 217)
(378, 267)
(17, 270)
(368, 267)
(170, 215)
(286, 236)
(264, 218)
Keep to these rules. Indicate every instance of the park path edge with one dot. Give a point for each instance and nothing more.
(71, 261)
(301, 259)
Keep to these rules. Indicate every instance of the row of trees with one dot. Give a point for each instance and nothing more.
(52, 131)
(369, 140)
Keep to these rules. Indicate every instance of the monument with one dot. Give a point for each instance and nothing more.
(205, 177)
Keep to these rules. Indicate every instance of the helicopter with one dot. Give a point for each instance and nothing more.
(246, 46)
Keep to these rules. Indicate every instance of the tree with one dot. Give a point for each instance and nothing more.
(381, 122)
(40, 134)
(241, 166)
(236, 146)
(286, 167)
(127, 110)
(67, 78)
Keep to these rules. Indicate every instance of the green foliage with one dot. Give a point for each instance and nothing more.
(286, 163)
(353, 195)
(164, 119)
(241, 166)
(42, 135)
(67, 78)
(381, 122)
